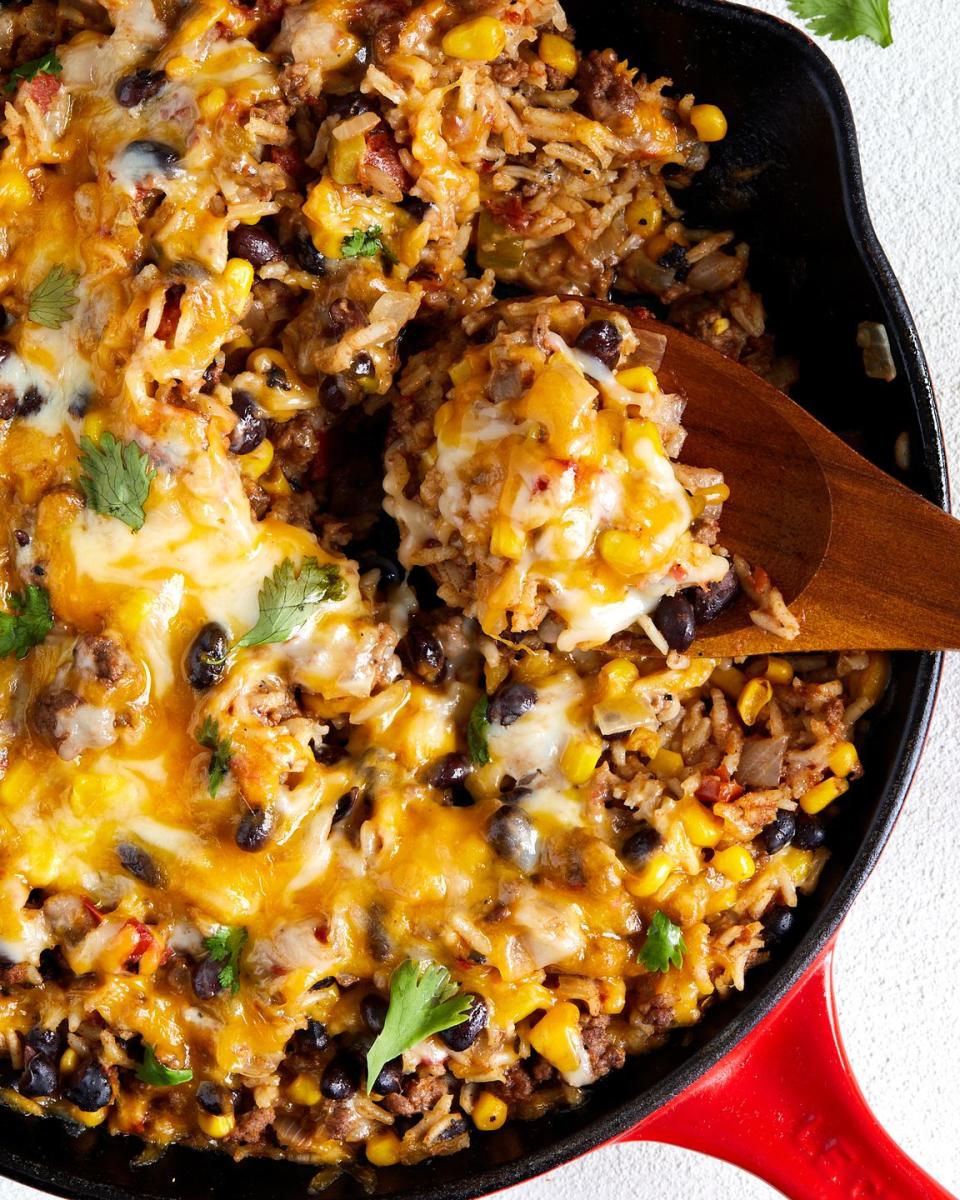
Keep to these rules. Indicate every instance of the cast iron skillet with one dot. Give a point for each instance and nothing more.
(788, 180)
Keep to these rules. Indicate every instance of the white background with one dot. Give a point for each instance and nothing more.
(897, 969)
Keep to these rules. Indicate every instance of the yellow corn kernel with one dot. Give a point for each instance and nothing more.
(258, 461)
(709, 122)
(345, 158)
(643, 741)
(489, 1111)
(754, 698)
(613, 996)
(729, 680)
(736, 862)
(653, 876)
(180, 67)
(506, 540)
(91, 793)
(15, 189)
(637, 439)
(216, 1125)
(94, 424)
(520, 1000)
(721, 900)
(580, 757)
(618, 675)
(132, 611)
(238, 280)
(383, 1148)
(797, 862)
(667, 764)
(717, 493)
(874, 678)
(844, 760)
(644, 217)
(817, 799)
(211, 103)
(624, 552)
(304, 1089)
(479, 40)
(557, 1036)
(640, 379)
(555, 51)
(90, 1119)
(68, 1062)
(720, 326)
(702, 827)
(779, 670)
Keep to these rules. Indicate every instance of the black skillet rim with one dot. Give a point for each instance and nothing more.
(614, 1124)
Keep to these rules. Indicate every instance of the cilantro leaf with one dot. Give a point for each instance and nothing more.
(362, 243)
(48, 64)
(116, 479)
(152, 1071)
(844, 20)
(288, 599)
(423, 1001)
(208, 735)
(664, 946)
(225, 946)
(54, 298)
(27, 623)
(477, 725)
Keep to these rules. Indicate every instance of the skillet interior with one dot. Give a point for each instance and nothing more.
(788, 180)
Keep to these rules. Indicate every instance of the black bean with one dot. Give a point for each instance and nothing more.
(416, 207)
(344, 314)
(251, 428)
(449, 770)
(512, 834)
(254, 829)
(328, 753)
(422, 654)
(675, 260)
(308, 256)
(341, 1078)
(373, 1009)
(809, 833)
(390, 572)
(638, 847)
(139, 863)
(31, 402)
(602, 340)
(156, 156)
(90, 1089)
(674, 617)
(5, 321)
(80, 403)
(390, 1079)
(779, 832)
(462, 1036)
(509, 703)
(462, 797)
(39, 1077)
(141, 85)
(206, 979)
(325, 982)
(311, 1039)
(777, 923)
(710, 601)
(333, 393)
(209, 1098)
(455, 1127)
(277, 379)
(207, 656)
(255, 244)
(5, 350)
(353, 104)
(48, 1043)
(21, 537)
(345, 805)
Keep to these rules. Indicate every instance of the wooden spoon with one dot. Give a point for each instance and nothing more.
(863, 562)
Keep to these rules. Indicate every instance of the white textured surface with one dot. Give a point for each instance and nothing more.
(897, 963)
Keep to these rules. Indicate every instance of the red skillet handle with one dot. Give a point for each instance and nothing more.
(784, 1105)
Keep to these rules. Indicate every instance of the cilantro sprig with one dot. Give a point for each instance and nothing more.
(208, 735)
(288, 598)
(477, 725)
(47, 64)
(116, 478)
(423, 1001)
(27, 623)
(362, 243)
(664, 947)
(54, 298)
(153, 1071)
(225, 947)
(844, 20)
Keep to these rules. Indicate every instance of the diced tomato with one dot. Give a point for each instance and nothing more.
(92, 910)
(170, 317)
(510, 212)
(716, 790)
(42, 89)
(144, 940)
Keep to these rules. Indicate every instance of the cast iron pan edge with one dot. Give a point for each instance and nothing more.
(194, 1176)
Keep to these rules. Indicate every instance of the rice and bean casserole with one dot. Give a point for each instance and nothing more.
(361, 786)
